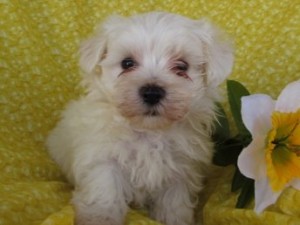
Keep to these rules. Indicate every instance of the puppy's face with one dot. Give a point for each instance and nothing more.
(154, 67)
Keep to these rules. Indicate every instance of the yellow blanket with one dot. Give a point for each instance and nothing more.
(39, 74)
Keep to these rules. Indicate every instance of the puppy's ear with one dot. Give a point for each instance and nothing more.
(218, 51)
(91, 52)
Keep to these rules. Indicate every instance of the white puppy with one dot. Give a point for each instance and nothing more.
(141, 134)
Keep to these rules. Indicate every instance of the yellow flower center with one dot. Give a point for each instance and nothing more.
(283, 149)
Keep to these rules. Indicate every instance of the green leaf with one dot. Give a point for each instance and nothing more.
(236, 91)
(238, 180)
(246, 195)
(227, 152)
(221, 125)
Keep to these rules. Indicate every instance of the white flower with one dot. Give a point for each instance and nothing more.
(272, 158)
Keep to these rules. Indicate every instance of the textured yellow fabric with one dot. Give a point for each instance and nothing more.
(220, 210)
(39, 74)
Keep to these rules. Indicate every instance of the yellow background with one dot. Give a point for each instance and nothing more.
(39, 73)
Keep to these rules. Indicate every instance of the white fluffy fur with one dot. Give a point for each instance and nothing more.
(112, 152)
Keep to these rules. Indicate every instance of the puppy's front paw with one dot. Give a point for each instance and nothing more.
(87, 219)
(97, 214)
(100, 200)
(174, 206)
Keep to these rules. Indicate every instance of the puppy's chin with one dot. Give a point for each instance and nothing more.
(154, 119)
(150, 122)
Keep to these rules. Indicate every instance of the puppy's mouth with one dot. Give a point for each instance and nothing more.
(152, 113)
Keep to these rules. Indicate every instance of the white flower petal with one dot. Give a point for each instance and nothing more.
(289, 98)
(251, 161)
(296, 184)
(256, 113)
(264, 196)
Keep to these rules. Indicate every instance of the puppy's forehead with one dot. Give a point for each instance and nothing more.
(156, 31)
(159, 22)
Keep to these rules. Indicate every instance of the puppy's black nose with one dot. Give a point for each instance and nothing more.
(152, 94)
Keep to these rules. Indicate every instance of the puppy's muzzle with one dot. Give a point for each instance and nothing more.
(152, 94)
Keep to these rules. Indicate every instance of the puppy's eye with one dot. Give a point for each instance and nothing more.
(128, 63)
(180, 68)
